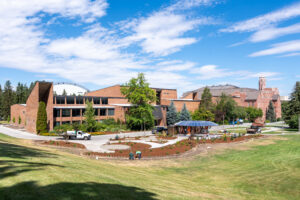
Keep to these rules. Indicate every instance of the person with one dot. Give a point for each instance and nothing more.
(131, 156)
(138, 154)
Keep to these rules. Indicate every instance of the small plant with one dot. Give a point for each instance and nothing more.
(14, 120)
(131, 144)
(225, 138)
(51, 142)
(74, 145)
(167, 153)
(213, 140)
(20, 120)
(119, 142)
(231, 138)
(121, 151)
(150, 150)
(89, 153)
(177, 152)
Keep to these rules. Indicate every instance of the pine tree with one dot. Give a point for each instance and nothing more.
(19, 120)
(1, 102)
(7, 99)
(64, 93)
(206, 99)
(292, 111)
(270, 114)
(41, 121)
(171, 114)
(89, 115)
(184, 114)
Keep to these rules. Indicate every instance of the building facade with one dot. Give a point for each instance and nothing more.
(245, 97)
(107, 103)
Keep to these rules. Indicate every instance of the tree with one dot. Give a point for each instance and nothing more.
(1, 102)
(225, 108)
(41, 121)
(270, 114)
(19, 120)
(140, 95)
(64, 92)
(206, 99)
(253, 113)
(89, 115)
(292, 110)
(172, 117)
(202, 114)
(76, 126)
(184, 114)
(7, 99)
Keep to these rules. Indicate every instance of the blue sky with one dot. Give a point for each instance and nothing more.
(183, 44)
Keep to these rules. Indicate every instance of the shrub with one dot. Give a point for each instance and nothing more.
(51, 142)
(225, 138)
(19, 120)
(177, 152)
(41, 121)
(14, 120)
(8, 118)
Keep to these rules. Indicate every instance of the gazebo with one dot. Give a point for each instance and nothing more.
(194, 126)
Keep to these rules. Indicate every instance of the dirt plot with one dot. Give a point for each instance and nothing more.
(174, 149)
(62, 144)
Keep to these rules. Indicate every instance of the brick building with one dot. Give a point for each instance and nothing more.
(107, 103)
(245, 97)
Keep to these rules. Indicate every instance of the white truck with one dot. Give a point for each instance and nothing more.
(76, 135)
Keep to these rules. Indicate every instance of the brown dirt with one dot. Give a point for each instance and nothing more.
(63, 144)
(175, 149)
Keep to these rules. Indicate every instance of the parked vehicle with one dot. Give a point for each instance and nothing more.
(158, 129)
(255, 128)
(79, 135)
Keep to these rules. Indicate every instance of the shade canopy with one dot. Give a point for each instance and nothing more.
(196, 123)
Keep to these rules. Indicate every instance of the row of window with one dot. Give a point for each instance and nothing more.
(76, 112)
(79, 100)
(57, 123)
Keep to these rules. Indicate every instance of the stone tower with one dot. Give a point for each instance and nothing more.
(262, 83)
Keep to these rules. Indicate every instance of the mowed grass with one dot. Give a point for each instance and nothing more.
(267, 169)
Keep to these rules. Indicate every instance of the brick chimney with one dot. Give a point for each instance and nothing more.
(262, 83)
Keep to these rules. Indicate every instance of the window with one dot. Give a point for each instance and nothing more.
(56, 112)
(60, 100)
(83, 111)
(96, 111)
(111, 111)
(56, 124)
(96, 100)
(90, 99)
(104, 100)
(66, 122)
(66, 112)
(70, 99)
(79, 100)
(76, 112)
(102, 112)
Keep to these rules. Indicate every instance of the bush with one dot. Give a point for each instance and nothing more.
(14, 120)
(41, 121)
(293, 122)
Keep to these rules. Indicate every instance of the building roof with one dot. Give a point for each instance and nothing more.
(217, 91)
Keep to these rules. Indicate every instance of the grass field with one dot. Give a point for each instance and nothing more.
(260, 169)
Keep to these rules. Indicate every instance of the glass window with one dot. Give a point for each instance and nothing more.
(79, 100)
(70, 99)
(96, 100)
(96, 111)
(102, 112)
(90, 99)
(60, 100)
(66, 122)
(76, 112)
(66, 112)
(56, 124)
(56, 112)
(111, 111)
(104, 100)
(83, 111)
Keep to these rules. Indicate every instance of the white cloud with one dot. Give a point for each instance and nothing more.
(187, 4)
(273, 32)
(175, 65)
(279, 48)
(266, 20)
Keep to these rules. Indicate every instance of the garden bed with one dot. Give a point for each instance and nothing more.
(63, 144)
(174, 149)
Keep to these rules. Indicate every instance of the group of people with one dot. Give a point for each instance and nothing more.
(138, 155)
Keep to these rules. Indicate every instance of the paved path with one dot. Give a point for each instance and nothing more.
(92, 145)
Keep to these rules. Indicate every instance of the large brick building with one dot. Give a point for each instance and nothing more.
(107, 102)
(245, 97)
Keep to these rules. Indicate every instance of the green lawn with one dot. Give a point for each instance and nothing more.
(269, 171)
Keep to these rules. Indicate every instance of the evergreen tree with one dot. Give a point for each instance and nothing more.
(89, 115)
(7, 99)
(19, 120)
(206, 99)
(64, 93)
(41, 121)
(29, 90)
(1, 102)
(171, 114)
(184, 114)
(140, 95)
(270, 114)
(292, 111)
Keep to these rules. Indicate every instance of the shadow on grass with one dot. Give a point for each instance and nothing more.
(13, 159)
(60, 191)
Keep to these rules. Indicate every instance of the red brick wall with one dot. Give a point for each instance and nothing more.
(49, 108)
(32, 108)
(190, 105)
(113, 91)
(17, 111)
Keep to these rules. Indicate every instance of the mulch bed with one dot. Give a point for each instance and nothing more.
(63, 144)
(175, 149)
